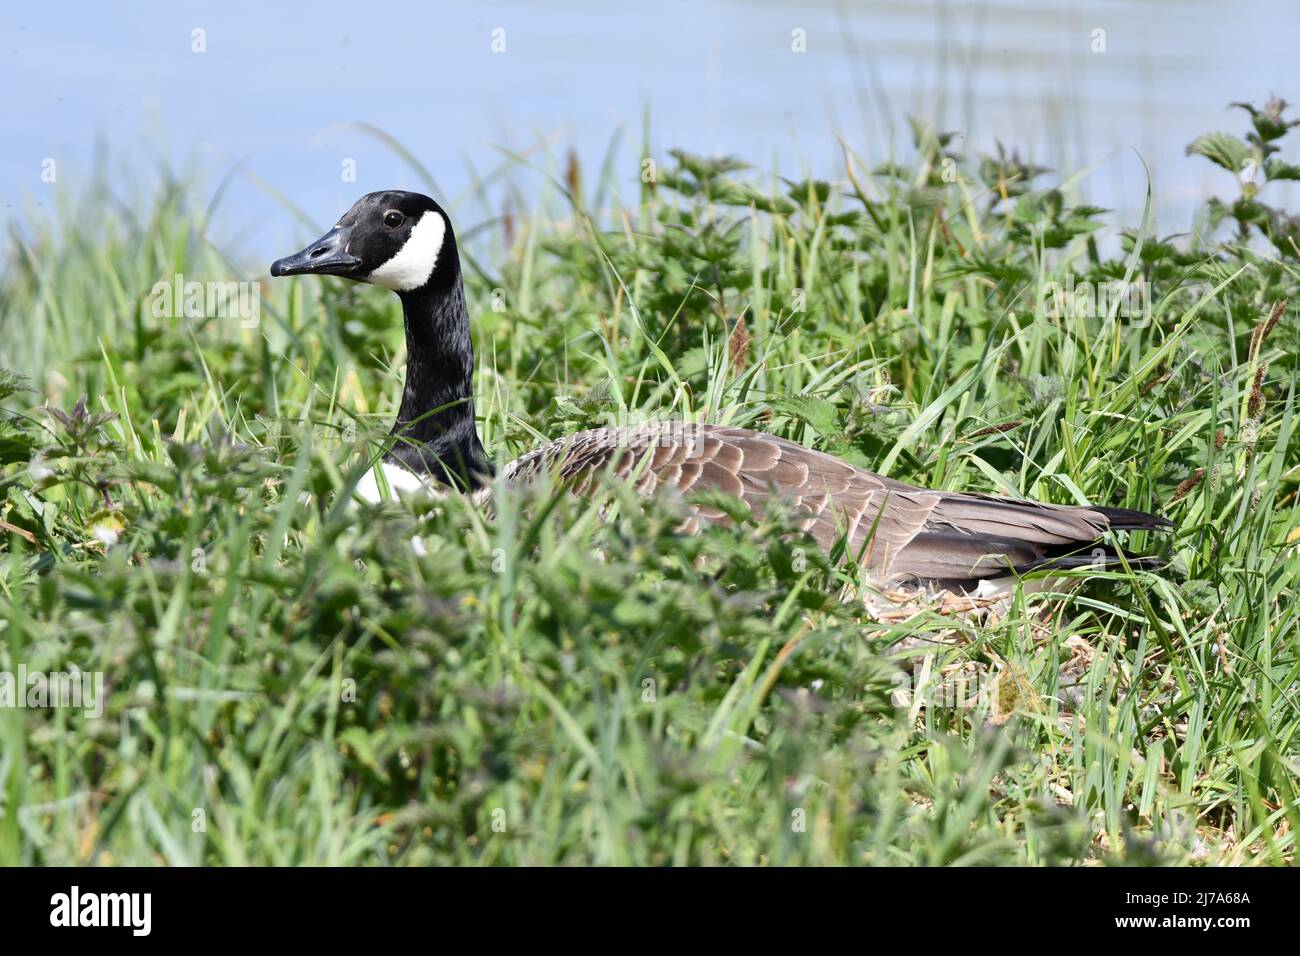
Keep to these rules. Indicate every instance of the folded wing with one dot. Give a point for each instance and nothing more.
(902, 534)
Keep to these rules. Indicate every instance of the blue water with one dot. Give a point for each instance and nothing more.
(272, 98)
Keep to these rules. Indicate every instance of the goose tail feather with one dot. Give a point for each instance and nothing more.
(1127, 519)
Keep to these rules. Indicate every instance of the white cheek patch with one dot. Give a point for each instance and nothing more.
(414, 262)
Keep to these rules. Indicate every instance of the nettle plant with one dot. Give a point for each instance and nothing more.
(1247, 157)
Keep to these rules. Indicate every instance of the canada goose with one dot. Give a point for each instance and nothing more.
(907, 537)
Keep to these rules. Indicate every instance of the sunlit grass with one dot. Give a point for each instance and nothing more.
(292, 680)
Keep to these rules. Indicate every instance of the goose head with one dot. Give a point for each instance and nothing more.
(403, 241)
(392, 239)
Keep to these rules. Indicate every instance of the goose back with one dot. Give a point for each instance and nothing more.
(903, 535)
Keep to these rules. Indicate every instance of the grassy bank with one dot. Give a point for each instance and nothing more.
(292, 679)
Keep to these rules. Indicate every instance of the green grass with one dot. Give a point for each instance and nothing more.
(289, 680)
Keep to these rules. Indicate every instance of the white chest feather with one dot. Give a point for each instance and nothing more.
(414, 262)
(398, 479)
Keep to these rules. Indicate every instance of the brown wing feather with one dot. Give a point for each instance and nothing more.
(901, 533)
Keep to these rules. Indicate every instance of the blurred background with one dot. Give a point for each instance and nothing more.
(285, 112)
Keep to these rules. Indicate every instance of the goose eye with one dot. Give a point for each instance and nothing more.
(392, 218)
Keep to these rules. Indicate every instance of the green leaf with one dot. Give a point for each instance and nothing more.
(1276, 169)
(817, 413)
(1223, 149)
(732, 506)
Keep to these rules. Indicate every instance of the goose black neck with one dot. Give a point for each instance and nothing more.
(435, 432)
